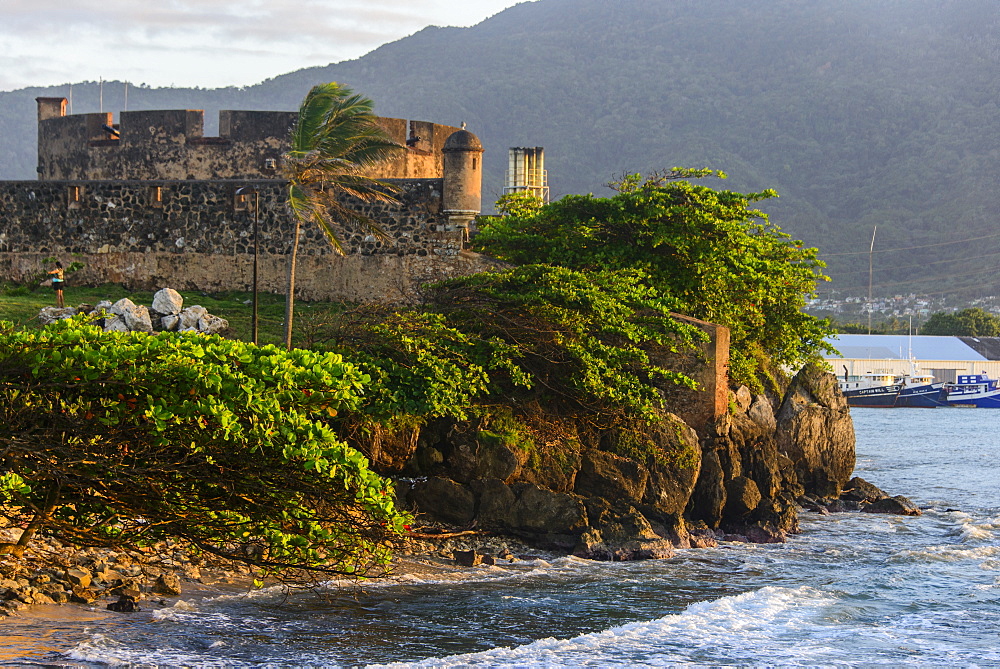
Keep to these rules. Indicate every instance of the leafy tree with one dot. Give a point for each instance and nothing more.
(519, 203)
(122, 439)
(582, 344)
(973, 322)
(335, 141)
(713, 255)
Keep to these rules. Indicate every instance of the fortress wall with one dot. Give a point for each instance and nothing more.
(198, 235)
(64, 144)
(170, 145)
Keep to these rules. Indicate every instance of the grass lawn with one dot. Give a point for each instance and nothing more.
(21, 305)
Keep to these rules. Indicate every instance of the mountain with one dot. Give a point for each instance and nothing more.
(860, 113)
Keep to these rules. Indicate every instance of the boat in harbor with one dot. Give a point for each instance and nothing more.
(973, 390)
(872, 389)
(888, 390)
(920, 390)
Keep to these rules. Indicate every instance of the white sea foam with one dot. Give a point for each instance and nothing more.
(181, 606)
(749, 623)
(951, 553)
(99, 648)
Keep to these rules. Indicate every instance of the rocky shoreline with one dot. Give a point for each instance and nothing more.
(124, 581)
(51, 572)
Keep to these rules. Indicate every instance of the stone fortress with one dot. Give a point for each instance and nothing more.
(151, 201)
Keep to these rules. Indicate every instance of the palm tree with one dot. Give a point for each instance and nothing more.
(336, 140)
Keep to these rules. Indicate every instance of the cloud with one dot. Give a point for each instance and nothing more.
(204, 42)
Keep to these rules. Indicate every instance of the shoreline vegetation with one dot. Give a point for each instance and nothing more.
(556, 401)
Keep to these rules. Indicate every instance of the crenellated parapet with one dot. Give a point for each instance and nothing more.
(171, 144)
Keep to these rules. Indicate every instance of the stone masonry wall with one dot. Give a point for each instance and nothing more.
(170, 144)
(199, 235)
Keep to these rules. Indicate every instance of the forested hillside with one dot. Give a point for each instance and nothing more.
(860, 113)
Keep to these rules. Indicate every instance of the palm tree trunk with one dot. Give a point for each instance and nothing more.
(290, 295)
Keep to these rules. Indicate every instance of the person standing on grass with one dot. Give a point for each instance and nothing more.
(58, 281)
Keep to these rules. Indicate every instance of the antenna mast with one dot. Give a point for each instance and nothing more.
(871, 252)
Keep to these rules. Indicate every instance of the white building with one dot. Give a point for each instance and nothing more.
(944, 357)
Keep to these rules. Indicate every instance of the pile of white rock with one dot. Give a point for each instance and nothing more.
(166, 314)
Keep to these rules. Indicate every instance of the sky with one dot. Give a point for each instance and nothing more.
(206, 43)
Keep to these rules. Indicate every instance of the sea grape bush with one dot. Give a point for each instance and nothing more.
(123, 439)
(578, 343)
(709, 251)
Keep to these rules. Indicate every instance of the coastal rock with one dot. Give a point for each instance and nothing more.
(743, 398)
(742, 497)
(898, 505)
(115, 323)
(702, 538)
(610, 476)
(468, 558)
(761, 413)
(167, 301)
(79, 577)
(816, 432)
(618, 523)
(445, 499)
(126, 316)
(860, 490)
(672, 482)
(170, 322)
(496, 504)
(125, 604)
(167, 584)
(544, 511)
(476, 454)
(82, 595)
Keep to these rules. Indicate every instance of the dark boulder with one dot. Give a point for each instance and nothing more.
(476, 454)
(673, 470)
(125, 604)
(468, 558)
(709, 497)
(444, 499)
(544, 511)
(742, 497)
(860, 490)
(611, 476)
(899, 506)
(167, 584)
(496, 504)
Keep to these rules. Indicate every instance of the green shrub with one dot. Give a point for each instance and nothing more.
(123, 439)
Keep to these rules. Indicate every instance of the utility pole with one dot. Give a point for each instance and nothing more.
(871, 253)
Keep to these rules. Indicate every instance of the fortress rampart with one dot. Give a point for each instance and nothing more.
(152, 202)
(198, 235)
(170, 144)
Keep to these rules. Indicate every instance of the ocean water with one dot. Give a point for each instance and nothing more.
(851, 589)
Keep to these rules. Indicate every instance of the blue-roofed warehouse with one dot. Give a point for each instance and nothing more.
(944, 357)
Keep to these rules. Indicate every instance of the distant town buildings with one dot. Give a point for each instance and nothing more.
(852, 308)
